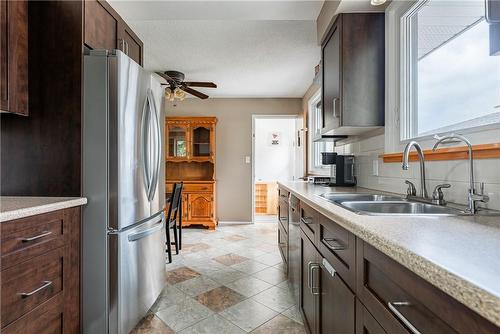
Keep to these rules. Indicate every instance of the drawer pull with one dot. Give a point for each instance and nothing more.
(393, 308)
(306, 220)
(333, 244)
(45, 285)
(282, 244)
(41, 235)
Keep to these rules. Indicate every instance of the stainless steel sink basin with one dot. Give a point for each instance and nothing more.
(340, 197)
(400, 208)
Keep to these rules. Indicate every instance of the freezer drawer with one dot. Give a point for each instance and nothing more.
(137, 272)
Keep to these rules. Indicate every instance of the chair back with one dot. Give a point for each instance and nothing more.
(175, 203)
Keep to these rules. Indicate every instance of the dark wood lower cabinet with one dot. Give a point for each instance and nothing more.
(309, 257)
(365, 322)
(347, 286)
(402, 302)
(40, 275)
(337, 304)
(328, 305)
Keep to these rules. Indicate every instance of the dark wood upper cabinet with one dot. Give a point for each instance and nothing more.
(353, 74)
(105, 29)
(101, 26)
(129, 43)
(14, 57)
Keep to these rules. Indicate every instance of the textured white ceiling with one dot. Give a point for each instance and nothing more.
(248, 48)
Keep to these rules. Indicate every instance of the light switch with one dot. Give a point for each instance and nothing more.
(375, 168)
(247, 159)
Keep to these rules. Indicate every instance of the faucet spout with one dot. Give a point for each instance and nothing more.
(472, 197)
(406, 159)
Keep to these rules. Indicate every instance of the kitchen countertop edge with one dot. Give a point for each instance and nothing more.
(39, 205)
(471, 295)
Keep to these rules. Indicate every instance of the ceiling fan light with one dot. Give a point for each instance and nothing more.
(168, 93)
(377, 2)
(179, 93)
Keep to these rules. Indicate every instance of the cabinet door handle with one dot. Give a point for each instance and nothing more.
(309, 274)
(334, 244)
(393, 307)
(41, 235)
(45, 285)
(335, 114)
(306, 220)
(315, 290)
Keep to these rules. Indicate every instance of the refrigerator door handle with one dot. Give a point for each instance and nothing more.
(157, 145)
(145, 149)
(144, 233)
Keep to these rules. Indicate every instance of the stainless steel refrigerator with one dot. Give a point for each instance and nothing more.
(123, 252)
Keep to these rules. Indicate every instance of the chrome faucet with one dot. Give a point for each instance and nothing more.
(472, 196)
(406, 157)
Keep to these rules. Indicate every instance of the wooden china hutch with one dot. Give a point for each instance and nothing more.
(190, 158)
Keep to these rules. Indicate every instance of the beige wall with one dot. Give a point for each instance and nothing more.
(233, 143)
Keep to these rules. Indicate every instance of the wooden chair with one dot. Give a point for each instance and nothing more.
(173, 217)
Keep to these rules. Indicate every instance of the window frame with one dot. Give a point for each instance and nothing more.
(314, 126)
(396, 119)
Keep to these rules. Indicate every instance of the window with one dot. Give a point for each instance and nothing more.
(449, 79)
(315, 148)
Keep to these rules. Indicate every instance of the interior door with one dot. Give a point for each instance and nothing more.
(128, 124)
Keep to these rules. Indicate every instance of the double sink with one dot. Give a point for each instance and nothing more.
(379, 204)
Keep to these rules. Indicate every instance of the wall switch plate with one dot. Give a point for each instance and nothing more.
(247, 159)
(375, 168)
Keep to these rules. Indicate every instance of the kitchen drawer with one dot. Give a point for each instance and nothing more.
(283, 243)
(31, 283)
(26, 238)
(193, 187)
(283, 215)
(399, 299)
(308, 221)
(338, 246)
(48, 318)
(283, 194)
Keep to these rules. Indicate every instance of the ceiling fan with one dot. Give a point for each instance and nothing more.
(177, 85)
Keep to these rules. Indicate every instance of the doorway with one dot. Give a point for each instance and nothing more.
(277, 156)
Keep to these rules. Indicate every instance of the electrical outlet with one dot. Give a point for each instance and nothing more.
(375, 168)
(247, 159)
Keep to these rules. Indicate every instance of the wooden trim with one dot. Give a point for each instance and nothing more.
(190, 120)
(483, 151)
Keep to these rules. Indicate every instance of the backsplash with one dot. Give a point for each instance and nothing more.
(391, 176)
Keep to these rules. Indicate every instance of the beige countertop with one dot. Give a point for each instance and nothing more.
(459, 255)
(15, 207)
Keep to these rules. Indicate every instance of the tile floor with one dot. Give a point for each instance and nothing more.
(226, 281)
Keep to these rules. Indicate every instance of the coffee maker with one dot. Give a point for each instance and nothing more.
(342, 169)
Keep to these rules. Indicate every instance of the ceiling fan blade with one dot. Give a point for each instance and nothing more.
(200, 84)
(194, 92)
(164, 76)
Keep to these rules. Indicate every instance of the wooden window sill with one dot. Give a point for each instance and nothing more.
(483, 151)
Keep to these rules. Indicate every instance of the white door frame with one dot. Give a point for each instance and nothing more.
(254, 118)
